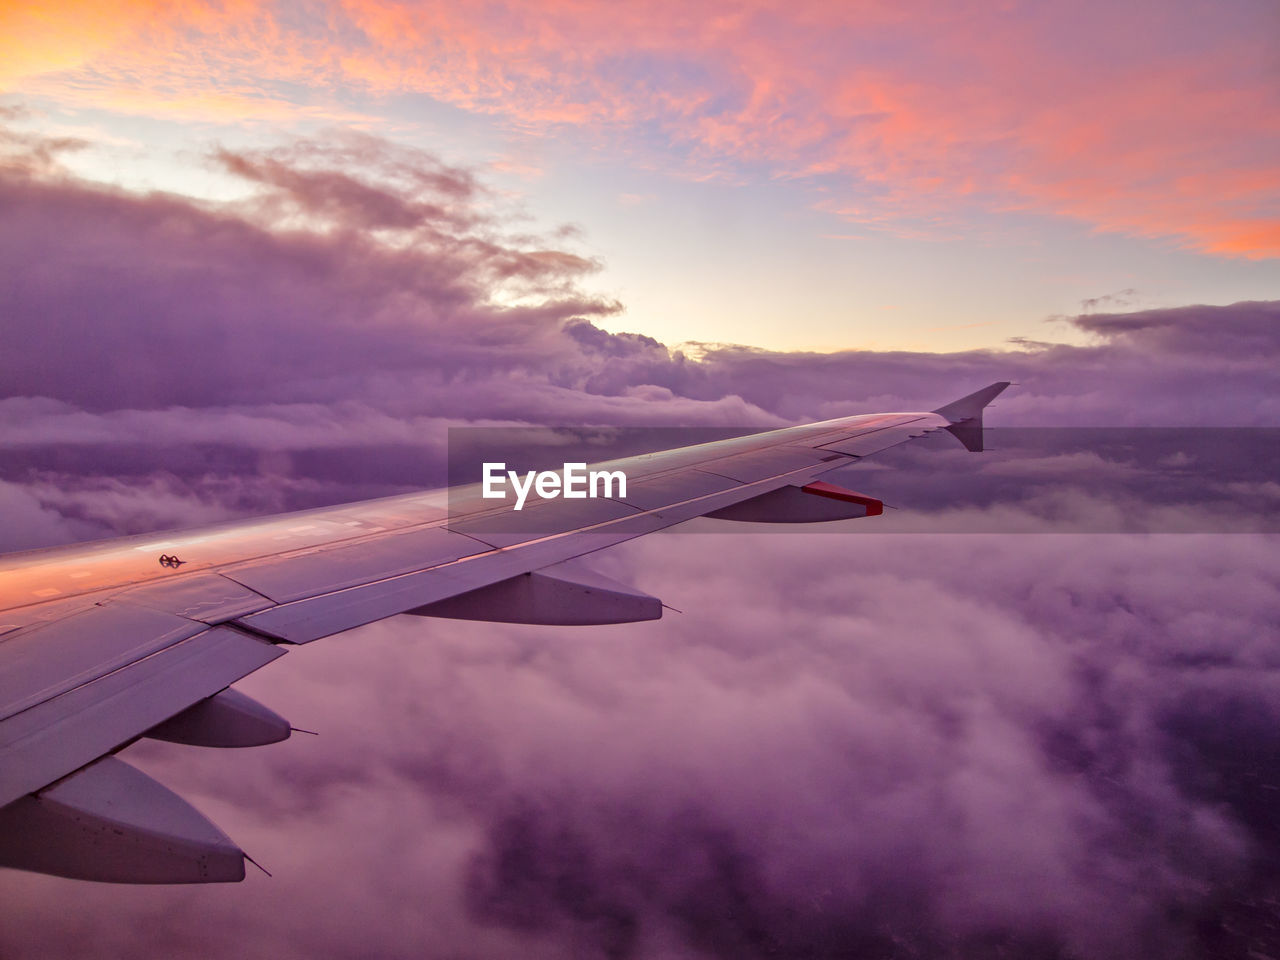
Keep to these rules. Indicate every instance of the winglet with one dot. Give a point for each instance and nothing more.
(965, 414)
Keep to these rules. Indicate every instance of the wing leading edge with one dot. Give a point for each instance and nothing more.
(101, 644)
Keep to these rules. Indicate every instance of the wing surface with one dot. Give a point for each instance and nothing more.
(102, 643)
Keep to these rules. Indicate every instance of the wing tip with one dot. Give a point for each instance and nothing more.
(965, 414)
(971, 406)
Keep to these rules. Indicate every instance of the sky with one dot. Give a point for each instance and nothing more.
(869, 175)
(262, 258)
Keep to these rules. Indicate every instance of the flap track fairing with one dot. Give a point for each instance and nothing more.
(815, 502)
(564, 594)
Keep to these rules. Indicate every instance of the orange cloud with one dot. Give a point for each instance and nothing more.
(41, 37)
(1154, 119)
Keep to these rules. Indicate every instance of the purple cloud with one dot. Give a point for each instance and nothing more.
(821, 755)
(366, 275)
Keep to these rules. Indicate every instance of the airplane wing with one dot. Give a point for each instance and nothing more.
(107, 642)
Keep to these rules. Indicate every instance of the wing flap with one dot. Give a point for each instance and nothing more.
(53, 657)
(63, 733)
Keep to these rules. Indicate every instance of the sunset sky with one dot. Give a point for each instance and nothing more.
(257, 258)
(868, 175)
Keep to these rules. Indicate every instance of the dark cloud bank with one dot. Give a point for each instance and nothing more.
(848, 746)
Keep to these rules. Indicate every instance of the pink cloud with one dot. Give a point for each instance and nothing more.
(1151, 119)
(1146, 120)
